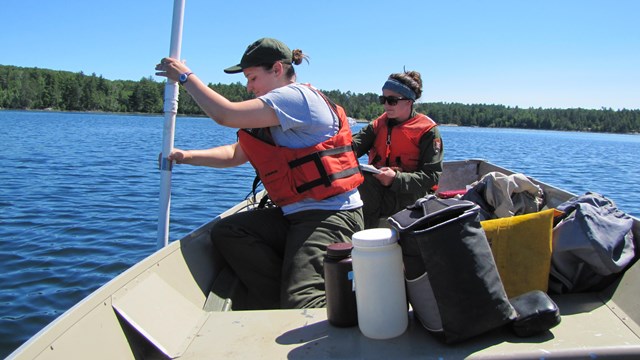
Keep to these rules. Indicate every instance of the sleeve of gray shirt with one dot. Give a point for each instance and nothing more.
(305, 118)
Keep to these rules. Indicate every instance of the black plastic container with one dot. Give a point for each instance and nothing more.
(340, 292)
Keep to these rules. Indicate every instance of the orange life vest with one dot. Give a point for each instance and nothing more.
(398, 145)
(319, 171)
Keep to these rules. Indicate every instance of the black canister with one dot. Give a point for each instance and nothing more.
(340, 292)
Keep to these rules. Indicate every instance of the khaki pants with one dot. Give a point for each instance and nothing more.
(278, 259)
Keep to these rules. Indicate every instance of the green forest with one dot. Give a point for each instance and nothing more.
(42, 89)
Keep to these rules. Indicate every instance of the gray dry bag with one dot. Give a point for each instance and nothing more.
(453, 284)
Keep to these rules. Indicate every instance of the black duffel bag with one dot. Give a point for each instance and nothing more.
(453, 284)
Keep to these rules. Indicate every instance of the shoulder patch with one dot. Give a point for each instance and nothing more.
(437, 145)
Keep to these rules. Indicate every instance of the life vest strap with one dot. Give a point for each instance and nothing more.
(319, 154)
(332, 177)
(324, 179)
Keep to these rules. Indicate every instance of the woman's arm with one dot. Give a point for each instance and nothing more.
(218, 157)
(252, 113)
(363, 140)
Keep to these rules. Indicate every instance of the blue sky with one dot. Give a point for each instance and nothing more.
(543, 53)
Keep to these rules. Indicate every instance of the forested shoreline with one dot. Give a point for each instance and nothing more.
(43, 89)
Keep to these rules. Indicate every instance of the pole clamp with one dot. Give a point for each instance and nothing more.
(165, 164)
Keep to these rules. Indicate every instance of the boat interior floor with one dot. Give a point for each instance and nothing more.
(594, 325)
(590, 329)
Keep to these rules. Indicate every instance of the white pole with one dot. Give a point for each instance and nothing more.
(170, 111)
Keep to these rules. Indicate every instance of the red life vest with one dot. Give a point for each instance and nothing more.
(398, 145)
(319, 171)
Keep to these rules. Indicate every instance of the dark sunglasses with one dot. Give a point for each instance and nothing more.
(391, 100)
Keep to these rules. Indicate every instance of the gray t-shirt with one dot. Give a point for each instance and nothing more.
(306, 120)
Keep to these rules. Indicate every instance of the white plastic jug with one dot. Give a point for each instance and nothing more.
(379, 281)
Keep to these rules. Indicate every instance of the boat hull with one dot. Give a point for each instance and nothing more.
(163, 307)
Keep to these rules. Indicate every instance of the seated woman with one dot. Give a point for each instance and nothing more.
(404, 145)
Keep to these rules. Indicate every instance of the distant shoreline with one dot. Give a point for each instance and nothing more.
(359, 121)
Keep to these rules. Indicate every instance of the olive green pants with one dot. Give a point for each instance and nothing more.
(279, 259)
(380, 201)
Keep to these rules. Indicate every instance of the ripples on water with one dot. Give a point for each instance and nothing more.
(79, 205)
(79, 195)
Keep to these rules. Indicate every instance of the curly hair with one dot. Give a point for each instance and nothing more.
(412, 79)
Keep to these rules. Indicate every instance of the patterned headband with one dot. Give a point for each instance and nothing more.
(400, 88)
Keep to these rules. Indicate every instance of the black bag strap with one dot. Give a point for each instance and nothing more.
(428, 211)
(265, 201)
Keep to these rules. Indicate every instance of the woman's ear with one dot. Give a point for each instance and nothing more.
(278, 68)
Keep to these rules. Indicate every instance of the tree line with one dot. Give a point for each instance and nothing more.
(43, 89)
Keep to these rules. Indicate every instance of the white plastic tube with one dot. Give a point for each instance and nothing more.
(170, 111)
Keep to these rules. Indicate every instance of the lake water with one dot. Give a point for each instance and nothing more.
(79, 195)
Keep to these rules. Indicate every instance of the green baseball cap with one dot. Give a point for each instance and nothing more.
(261, 52)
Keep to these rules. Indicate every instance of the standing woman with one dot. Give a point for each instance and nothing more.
(277, 253)
(404, 145)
